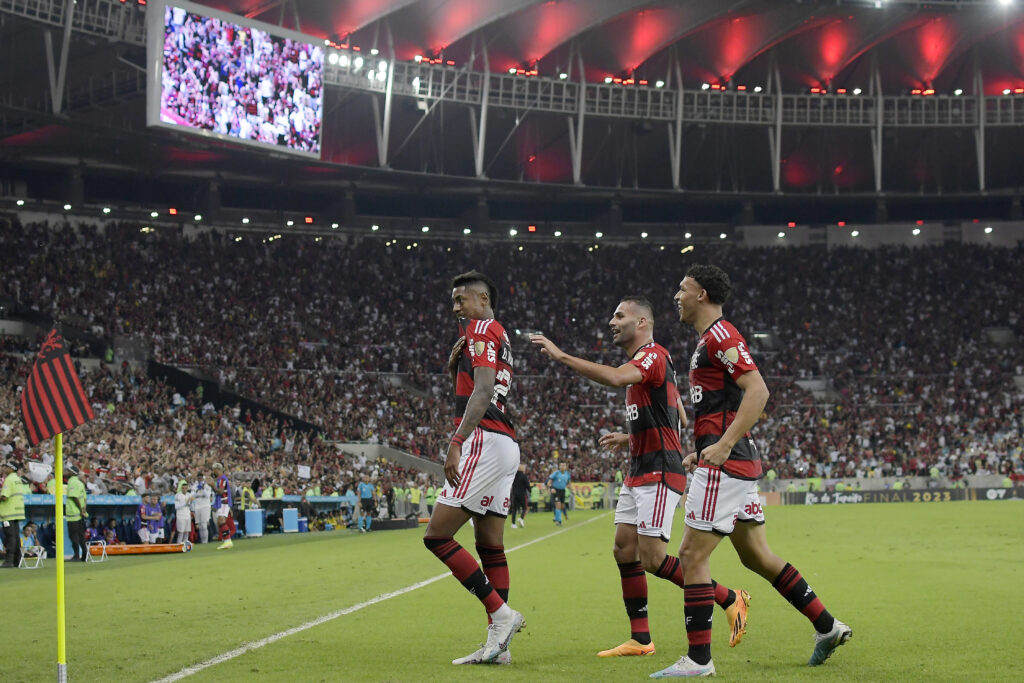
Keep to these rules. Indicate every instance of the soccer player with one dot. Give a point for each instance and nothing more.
(558, 481)
(480, 464)
(643, 513)
(520, 496)
(222, 507)
(366, 496)
(728, 395)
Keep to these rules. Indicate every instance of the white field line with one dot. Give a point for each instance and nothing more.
(257, 644)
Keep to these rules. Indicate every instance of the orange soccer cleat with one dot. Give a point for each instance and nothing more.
(736, 613)
(630, 648)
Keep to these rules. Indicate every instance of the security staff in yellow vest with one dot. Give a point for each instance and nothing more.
(415, 493)
(12, 513)
(75, 512)
(431, 497)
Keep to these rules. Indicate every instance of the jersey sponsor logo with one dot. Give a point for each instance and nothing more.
(649, 361)
(724, 358)
(753, 509)
(632, 411)
(696, 393)
(690, 515)
(492, 354)
(744, 354)
(643, 525)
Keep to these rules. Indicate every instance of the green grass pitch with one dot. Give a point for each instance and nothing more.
(933, 592)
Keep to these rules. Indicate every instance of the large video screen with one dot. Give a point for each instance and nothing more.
(225, 76)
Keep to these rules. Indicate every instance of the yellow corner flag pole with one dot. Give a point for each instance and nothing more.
(62, 662)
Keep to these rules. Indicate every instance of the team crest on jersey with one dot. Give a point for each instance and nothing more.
(639, 355)
(732, 354)
(478, 348)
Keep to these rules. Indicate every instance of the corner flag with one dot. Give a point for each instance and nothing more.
(53, 401)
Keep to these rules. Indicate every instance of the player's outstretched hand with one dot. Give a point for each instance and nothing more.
(547, 347)
(453, 357)
(614, 441)
(690, 462)
(451, 464)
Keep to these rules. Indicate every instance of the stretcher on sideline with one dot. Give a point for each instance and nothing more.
(144, 549)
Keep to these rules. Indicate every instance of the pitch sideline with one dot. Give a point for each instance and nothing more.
(257, 644)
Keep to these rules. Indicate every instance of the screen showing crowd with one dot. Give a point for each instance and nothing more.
(241, 82)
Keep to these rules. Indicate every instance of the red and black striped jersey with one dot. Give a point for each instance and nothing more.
(652, 419)
(720, 358)
(487, 345)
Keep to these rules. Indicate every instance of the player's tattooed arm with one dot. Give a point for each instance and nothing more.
(476, 407)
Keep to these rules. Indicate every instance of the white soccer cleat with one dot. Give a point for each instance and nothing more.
(686, 668)
(499, 635)
(477, 658)
(826, 643)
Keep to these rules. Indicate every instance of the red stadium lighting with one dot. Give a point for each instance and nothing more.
(617, 80)
(531, 228)
(356, 48)
(173, 212)
(628, 81)
(643, 82)
(815, 91)
(533, 158)
(927, 92)
(841, 91)
(915, 91)
(450, 62)
(309, 219)
(791, 224)
(841, 224)
(741, 87)
(1018, 91)
(142, 2)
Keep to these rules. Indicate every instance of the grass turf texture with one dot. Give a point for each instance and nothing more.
(931, 591)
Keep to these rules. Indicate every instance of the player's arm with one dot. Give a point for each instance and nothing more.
(620, 376)
(683, 422)
(755, 397)
(476, 407)
(453, 360)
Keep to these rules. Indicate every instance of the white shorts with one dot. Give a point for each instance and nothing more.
(224, 511)
(486, 469)
(717, 501)
(147, 536)
(649, 508)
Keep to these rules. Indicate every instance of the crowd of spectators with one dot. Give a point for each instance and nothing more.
(352, 335)
(241, 82)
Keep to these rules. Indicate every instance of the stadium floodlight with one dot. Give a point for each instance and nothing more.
(1006, 91)
(958, 92)
(917, 231)
(782, 234)
(334, 226)
(198, 217)
(643, 235)
(418, 58)
(21, 202)
(988, 229)
(513, 232)
(238, 239)
(1005, 3)
(357, 63)
(558, 233)
(466, 231)
(857, 91)
(854, 233)
(425, 228)
(659, 84)
(607, 80)
(67, 207)
(382, 65)
(688, 235)
(245, 221)
(512, 71)
(705, 86)
(520, 247)
(598, 235)
(562, 76)
(343, 61)
(153, 214)
(758, 88)
(722, 236)
(662, 248)
(332, 58)
(374, 51)
(290, 223)
(375, 228)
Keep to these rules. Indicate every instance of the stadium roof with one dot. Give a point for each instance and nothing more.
(736, 45)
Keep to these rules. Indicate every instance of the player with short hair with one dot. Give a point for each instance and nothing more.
(222, 507)
(656, 480)
(728, 395)
(559, 483)
(480, 464)
(366, 495)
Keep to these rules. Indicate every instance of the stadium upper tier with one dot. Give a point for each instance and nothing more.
(901, 355)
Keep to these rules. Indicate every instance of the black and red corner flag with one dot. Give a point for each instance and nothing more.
(53, 400)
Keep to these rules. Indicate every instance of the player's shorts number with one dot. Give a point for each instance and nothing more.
(696, 393)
